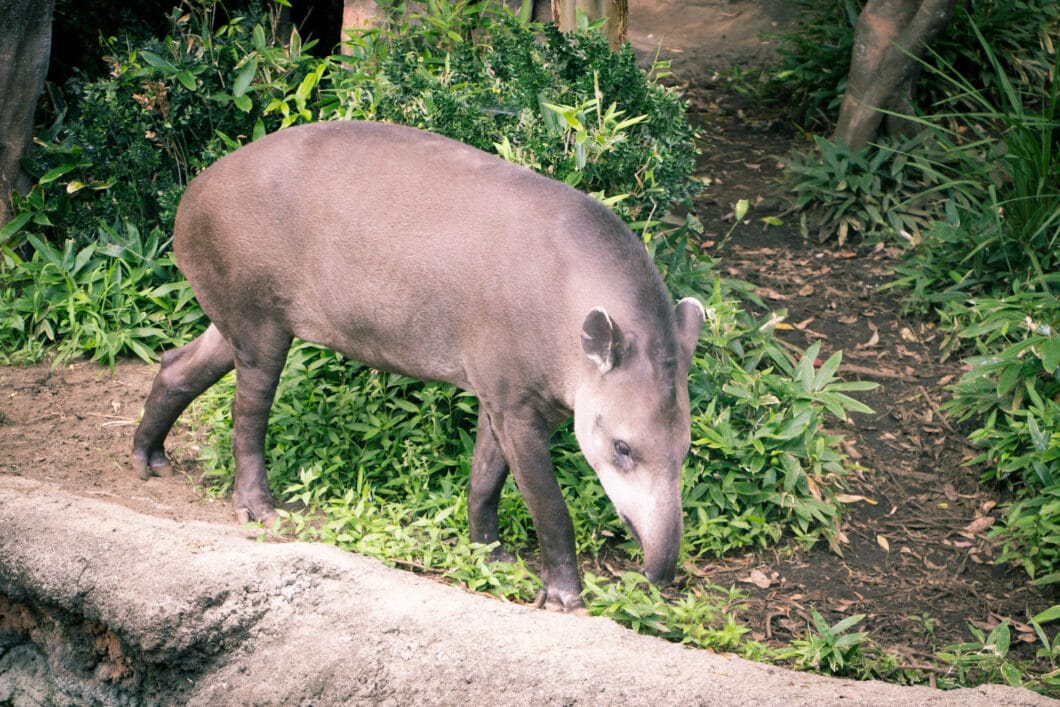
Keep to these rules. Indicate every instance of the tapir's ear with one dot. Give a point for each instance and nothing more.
(690, 318)
(602, 340)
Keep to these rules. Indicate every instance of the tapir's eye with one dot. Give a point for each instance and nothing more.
(622, 450)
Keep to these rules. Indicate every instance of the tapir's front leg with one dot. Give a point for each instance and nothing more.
(524, 439)
(258, 365)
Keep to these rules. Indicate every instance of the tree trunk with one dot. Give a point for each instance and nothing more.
(357, 14)
(890, 35)
(25, 48)
(564, 14)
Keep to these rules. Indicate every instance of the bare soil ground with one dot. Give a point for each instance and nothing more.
(918, 560)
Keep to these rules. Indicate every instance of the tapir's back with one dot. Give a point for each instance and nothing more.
(395, 246)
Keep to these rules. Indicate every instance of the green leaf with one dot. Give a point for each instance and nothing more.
(740, 209)
(244, 77)
(157, 61)
(1001, 638)
(1050, 353)
(14, 226)
(804, 371)
(826, 371)
(848, 622)
(1049, 615)
(1039, 440)
(187, 80)
(259, 38)
(243, 103)
(52, 174)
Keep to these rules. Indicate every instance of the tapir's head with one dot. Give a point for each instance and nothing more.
(632, 422)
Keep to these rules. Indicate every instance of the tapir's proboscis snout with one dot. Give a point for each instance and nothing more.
(413, 253)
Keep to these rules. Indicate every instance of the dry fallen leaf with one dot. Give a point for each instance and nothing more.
(769, 293)
(977, 526)
(854, 498)
(988, 625)
(757, 578)
(882, 542)
(873, 340)
(813, 488)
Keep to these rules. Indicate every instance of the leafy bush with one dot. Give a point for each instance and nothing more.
(482, 77)
(987, 267)
(975, 195)
(814, 60)
(887, 189)
(101, 300)
(1013, 391)
(830, 649)
(704, 616)
(1001, 222)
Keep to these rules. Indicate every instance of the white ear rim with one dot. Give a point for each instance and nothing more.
(606, 362)
(690, 319)
(692, 301)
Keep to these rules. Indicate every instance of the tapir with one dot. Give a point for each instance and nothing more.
(417, 254)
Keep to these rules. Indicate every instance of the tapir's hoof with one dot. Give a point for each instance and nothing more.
(563, 602)
(267, 516)
(158, 466)
(499, 554)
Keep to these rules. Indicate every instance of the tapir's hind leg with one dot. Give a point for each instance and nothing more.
(489, 469)
(186, 372)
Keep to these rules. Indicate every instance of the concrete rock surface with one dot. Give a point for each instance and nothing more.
(101, 604)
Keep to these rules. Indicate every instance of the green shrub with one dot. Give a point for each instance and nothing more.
(1013, 393)
(480, 76)
(975, 196)
(138, 135)
(1001, 222)
(100, 300)
(830, 649)
(891, 188)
